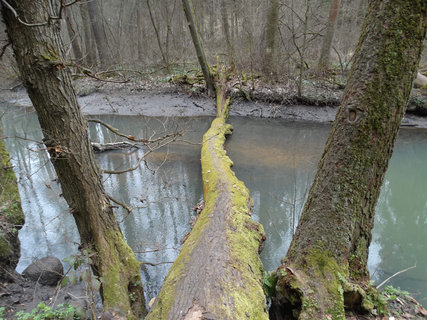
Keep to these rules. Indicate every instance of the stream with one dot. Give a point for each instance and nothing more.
(276, 159)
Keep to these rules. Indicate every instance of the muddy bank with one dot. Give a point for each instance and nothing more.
(156, 98)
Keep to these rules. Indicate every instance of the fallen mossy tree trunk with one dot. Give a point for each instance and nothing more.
(218, 272)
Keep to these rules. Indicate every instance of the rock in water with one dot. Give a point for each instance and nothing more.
(48, 271)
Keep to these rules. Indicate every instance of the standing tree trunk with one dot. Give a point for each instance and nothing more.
(326, 265)
(159, 41)
(65, 131)
(90, 51)
(78, 56)
(197, 41)
(271, 31)
(99, 33)
(139, 33)
(325, 52)
(218, 272)
(226, 28)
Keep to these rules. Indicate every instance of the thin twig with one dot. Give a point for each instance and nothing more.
(394, 275)
(155, 264)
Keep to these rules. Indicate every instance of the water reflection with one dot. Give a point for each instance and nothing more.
(275, 158)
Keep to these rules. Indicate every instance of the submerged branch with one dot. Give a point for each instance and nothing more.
(394, 275)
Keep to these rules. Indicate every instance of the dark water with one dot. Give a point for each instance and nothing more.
(276, 159)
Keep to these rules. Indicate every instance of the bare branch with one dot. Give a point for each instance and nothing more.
(155, 264)
(132, 138)
(7, 5)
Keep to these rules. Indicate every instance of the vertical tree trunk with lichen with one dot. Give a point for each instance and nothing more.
(197, 41)
(218, 272)
(11, 217)
(325, 51)
(325, 268)
(271, 34)
(39, 55)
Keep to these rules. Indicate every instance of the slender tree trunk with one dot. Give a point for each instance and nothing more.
(65, 131)
(325, 268)
(90, 51)
(217, 274)
(99, 33)
(197, 41)
(139, 33)
(325, 51)
(78, 56)
(271, 31)
(226, 28)
(159, 41)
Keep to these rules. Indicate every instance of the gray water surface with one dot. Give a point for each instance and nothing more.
(275, 158)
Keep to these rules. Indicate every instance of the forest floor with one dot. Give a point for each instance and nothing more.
(161, 97)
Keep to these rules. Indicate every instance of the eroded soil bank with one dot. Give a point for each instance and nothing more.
(157, 98)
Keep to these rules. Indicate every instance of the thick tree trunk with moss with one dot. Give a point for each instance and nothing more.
(11, 218)
(39, 55)
(326, 265)
(218, 272)
(197, 41)
(325, 51)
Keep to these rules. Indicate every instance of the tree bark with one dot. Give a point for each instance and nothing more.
(329, 36)
(65, 131)
(218, 272)
(99, 33)
(326, 265)
(197, 41)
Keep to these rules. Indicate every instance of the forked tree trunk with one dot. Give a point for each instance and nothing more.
(197, 41)
(325, 51)
(218, 272)
(326, 265)
(39, 54)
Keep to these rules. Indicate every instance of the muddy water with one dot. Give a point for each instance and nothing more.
(275, 158)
